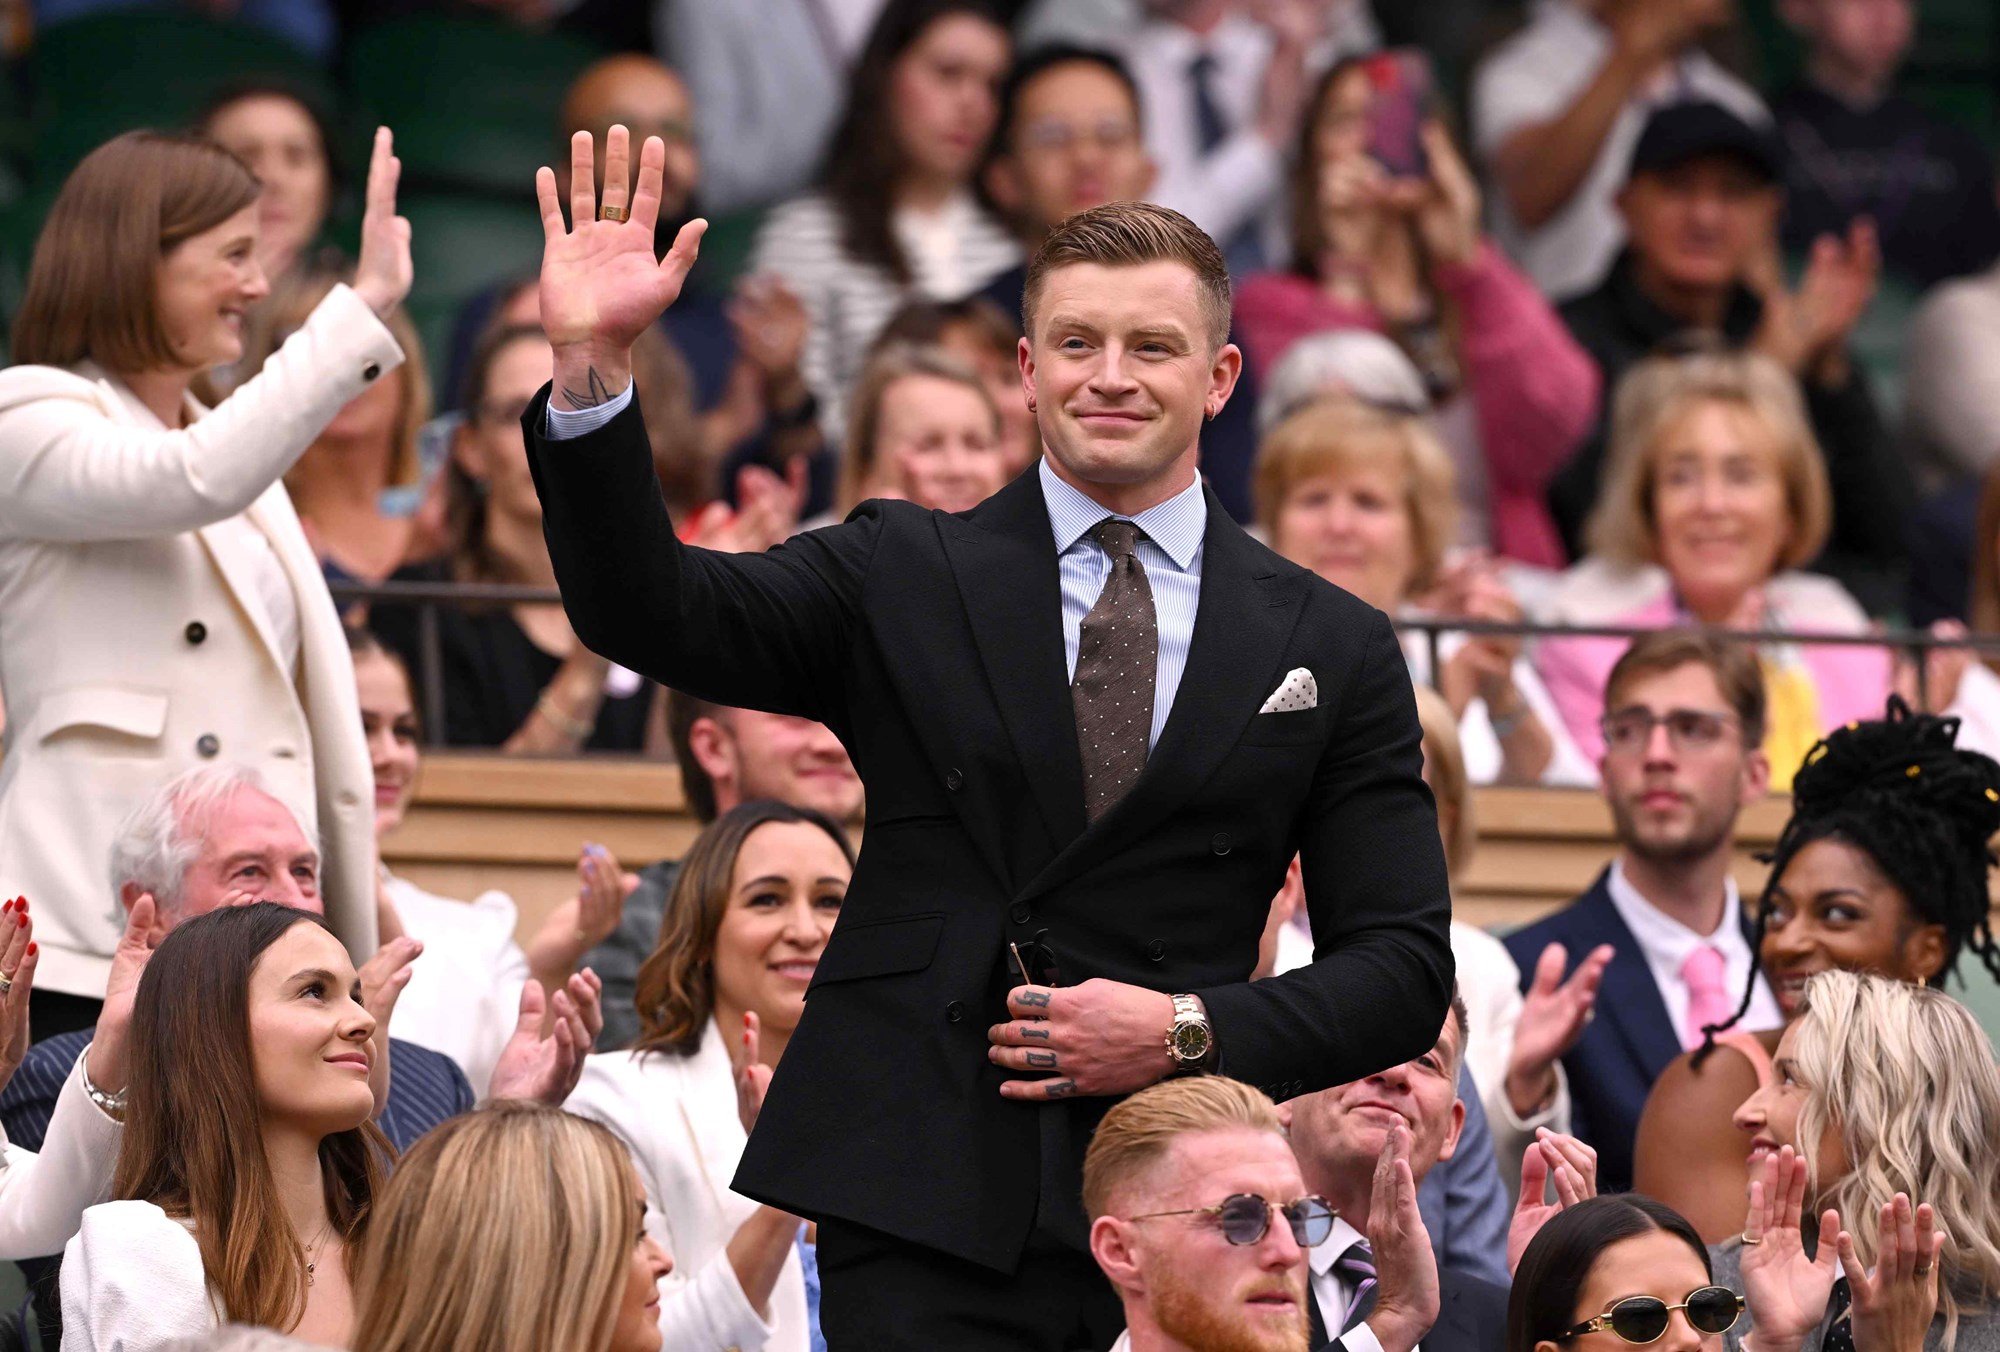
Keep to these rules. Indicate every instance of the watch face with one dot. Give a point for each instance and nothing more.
(1190, 1041)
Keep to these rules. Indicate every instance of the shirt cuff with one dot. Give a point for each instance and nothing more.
(1360, 1338)
(566, 424)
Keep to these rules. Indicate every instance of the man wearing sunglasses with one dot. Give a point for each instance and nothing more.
(1683, 756)
(1201, 1220)
(1365, 1280)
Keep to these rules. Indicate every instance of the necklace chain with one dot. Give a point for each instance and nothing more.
(311, 1262)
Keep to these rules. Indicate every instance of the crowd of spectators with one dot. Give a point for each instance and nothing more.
(1556, 318)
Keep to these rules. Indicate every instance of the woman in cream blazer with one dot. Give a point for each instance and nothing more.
(159, 604)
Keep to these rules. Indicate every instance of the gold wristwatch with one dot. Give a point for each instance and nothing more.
(1190, 1041)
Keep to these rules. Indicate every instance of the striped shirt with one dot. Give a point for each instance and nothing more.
(1170, 550)
(952, 253)
(425, 1087)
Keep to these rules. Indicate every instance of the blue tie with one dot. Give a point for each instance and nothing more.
(1210, 130)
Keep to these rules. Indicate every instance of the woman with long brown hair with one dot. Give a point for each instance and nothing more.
(517, 1228)
(159, 603)
(250, 1157)
(718, 999)
(896, 215)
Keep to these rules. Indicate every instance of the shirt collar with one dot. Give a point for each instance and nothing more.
(1337, 1242)
(1175, 525)
(1658, 932)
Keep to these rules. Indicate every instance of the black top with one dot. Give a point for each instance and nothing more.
(1927, 185)
(1619, 325)
(493, 673)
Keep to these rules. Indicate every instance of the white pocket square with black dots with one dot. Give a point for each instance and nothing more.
(1297, 691)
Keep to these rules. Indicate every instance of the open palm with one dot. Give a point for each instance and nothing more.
(600, 283)
(1787, 1291)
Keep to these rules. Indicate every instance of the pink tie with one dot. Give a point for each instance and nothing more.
(1708, 996)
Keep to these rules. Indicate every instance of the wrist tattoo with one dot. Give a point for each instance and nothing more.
(1042, 1060)
(595, 391)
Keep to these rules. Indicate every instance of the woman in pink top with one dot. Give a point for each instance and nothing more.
(1405, 257)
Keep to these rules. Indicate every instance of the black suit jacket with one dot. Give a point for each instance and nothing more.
(1614, 1064)
(932, 646)
(1472, 1317)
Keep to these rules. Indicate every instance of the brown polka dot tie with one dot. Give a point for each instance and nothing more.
(1115, 657)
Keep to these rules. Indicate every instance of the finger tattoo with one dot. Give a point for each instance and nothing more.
(1061, 1088)
(1039, 1034)
(1035, 999)
(1042, 1060)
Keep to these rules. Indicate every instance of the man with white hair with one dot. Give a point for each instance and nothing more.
(217, 836)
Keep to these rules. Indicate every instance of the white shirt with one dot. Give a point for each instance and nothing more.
(1170, 552)
(133, 1280)
(1533, 78)
(1477, 739)
(464, 996)
(1666, 942)
(1333, 1294)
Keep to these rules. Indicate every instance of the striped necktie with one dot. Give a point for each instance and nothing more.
(1356, 1268)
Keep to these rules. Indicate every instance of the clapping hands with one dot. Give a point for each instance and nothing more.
(543, 1061)
(1404, 1261)
(1552, 1158)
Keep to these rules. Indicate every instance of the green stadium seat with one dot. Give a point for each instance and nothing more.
(90, 79)
(474, 102)
(460, 244)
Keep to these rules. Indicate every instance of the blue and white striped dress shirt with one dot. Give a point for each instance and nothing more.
(1171, 553)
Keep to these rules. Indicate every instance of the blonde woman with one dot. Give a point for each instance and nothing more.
(365, 461)
(1715, 501)
(925, 428)
(159, 603)
(718, 1001)
(1364, 497)
(517, 1228)
(1882, 1119)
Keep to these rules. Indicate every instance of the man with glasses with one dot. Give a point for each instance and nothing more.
(1683, 735)
(1341, 1136)
(1200, 1219)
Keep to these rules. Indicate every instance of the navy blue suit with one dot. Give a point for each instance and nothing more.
(1613, 1065)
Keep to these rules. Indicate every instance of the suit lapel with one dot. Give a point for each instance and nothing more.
(1246, 614)
(1004, 559)
(1629, 999)
(228, 556)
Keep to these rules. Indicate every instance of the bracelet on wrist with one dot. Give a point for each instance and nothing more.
(1507, 724)
(560, 719)
(113, 1105)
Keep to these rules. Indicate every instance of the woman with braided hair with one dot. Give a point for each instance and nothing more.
(1881, 869)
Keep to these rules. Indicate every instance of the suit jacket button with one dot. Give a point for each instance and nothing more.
(196, 632)
(207, 745)
(371, 370)
(1220, 844)
(1156, 951)
(1020, 914)
(953, 780)
(954, 1012)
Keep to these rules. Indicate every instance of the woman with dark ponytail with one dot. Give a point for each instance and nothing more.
(1881, 869)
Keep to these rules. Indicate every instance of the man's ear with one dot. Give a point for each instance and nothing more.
(1224, 372)
(1024, 356)
(1453, 1131)
(1756, 776)
(1111, 1246)
(713, 749)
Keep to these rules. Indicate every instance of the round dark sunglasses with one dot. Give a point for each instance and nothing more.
(1245, 1218)
(1643, 1319)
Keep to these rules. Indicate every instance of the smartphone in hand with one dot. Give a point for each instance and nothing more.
(1402, 98)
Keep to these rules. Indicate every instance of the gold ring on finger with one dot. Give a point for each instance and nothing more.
(613, 214)
(6, 984)
(1752, 1239)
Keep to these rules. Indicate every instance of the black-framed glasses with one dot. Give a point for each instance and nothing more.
(1245, 1218)
(1643, 1319)
(1631, 730)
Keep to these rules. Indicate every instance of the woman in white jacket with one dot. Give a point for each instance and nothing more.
(718, 999)
(159, 603)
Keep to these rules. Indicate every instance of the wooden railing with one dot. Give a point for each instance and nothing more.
(516, 823)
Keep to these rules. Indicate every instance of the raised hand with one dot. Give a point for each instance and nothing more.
(17, 968)
(541, 1064)
(108, 1052)
(1553, 1017)
(753, 1077)
(1407, 1305)
(1786, 1289)
(601, 286)
(382, 980)
(382, 276)
(1570, 1165)
(1894, 1302)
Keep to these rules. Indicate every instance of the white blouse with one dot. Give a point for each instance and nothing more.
(132, 1281)
(44, 1197)
(464, 996)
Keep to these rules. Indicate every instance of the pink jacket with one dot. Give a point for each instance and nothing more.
(1852, 682)
(1534, 390)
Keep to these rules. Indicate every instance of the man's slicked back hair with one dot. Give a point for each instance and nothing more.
(1128, 234)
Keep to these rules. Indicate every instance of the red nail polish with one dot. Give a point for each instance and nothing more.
(24, 919)
(33, 948)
